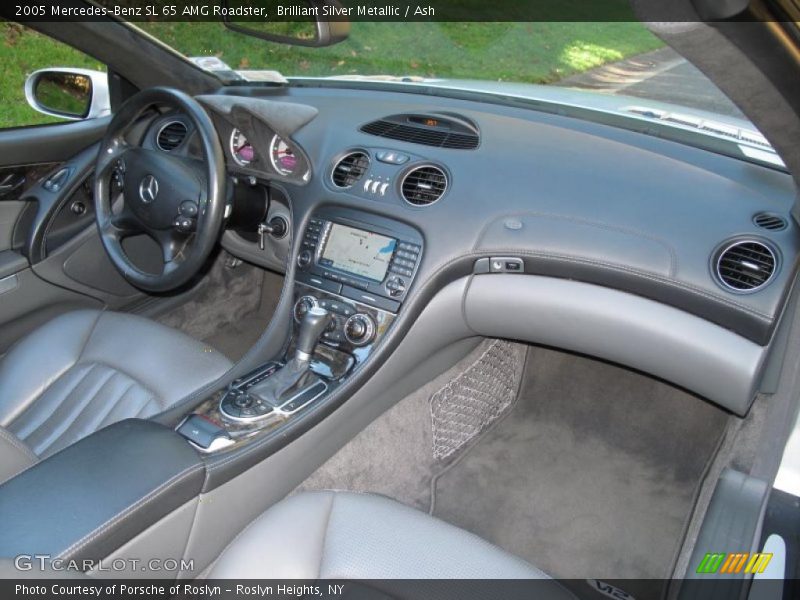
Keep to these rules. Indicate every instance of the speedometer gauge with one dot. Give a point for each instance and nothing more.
(241, 149)
(282, 156)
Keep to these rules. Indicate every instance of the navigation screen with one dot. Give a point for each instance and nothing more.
(358, 252)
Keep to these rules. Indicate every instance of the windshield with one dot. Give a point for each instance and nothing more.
(610, 57)
(630, 70)
(522, 52)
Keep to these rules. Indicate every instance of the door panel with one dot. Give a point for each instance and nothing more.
(9, 213)
(45, 227)
(27, 301)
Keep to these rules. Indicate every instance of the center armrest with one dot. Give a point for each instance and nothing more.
(89, 499)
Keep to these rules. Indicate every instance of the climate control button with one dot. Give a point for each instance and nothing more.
(359, 329)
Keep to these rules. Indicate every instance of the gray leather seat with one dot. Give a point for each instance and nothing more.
(87, 369)
(347, 535)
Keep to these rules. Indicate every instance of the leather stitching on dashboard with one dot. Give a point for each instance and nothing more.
(129, 510)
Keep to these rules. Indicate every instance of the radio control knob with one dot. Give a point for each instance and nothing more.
(302, 306)
(359, 329)
(304, 259)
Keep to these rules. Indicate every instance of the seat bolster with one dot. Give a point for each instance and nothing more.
(374, 537)
(39, 359)
(286, 542)
(170, 363)
(15, 456)
(346, 535)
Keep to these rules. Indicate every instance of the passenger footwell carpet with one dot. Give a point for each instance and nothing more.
(593, 473)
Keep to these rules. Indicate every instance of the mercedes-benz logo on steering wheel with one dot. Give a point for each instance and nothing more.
(148, 189)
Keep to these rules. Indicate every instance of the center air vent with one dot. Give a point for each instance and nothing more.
(436, 130)
(171, 135)
(424, 185)
(746, 266)
(350, 168)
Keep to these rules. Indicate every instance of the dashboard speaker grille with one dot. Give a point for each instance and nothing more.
(349, 169)
(419, 135)
(746, 266)
(424, 185)
(770, 221)
(171, 135)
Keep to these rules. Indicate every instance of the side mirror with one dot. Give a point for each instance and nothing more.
(68, 93)
(314, 31)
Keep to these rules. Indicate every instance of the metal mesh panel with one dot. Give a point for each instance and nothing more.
(471, 402)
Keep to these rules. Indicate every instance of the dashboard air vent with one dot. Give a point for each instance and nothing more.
(424, 185)
(770, 221)
(429, 130)
(171, 135)
(746, 266)
(349, 169)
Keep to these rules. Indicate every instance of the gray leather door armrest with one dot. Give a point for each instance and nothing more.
(92, 497)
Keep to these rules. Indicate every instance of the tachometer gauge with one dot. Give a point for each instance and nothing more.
(241, 149)
(282, 156)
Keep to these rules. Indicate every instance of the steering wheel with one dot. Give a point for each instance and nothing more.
(177, 201)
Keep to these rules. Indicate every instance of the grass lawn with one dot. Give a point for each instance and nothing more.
(21, 52)
(527, 52)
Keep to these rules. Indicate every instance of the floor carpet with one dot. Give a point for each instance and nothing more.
(592, 474)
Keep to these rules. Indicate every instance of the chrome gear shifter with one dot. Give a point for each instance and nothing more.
(296, 375)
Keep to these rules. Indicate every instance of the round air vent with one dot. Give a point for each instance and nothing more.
(171, 135)
(424, 185)
(770, 221)
(349, 169)
(746, 265)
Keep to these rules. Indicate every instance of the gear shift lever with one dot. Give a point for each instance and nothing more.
(313, 325)
(295, 375)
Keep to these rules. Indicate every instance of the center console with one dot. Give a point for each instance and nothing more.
(353, 273)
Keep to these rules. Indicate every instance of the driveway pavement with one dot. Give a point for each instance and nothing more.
(661, 75)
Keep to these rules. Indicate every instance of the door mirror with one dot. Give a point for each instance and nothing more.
(307, 30)
(68, 93)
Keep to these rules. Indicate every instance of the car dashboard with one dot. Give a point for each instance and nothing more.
(570, 233)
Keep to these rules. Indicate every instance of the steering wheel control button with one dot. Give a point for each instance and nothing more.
(188, 209)
(184, 224)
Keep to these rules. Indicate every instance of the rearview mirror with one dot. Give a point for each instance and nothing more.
(68, 93)
(309, 30)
